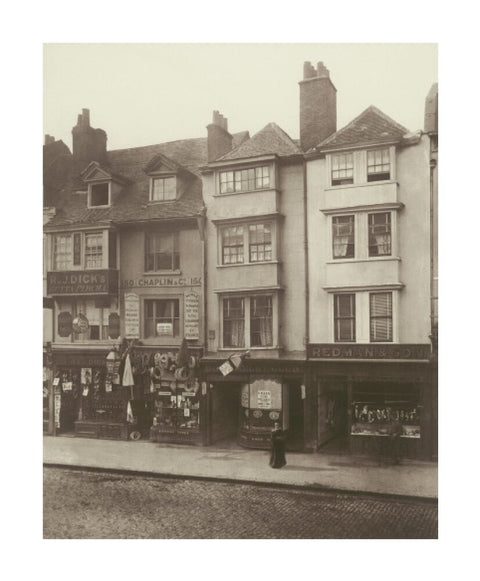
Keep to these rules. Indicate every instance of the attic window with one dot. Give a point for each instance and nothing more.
(99, 194)
(378, 165)
(163, 189)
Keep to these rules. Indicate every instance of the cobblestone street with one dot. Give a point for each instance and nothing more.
(83, 504)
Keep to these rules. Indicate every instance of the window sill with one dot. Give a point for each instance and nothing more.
(360, 185)
(162, 201)
(269, 348)
(358, 260)
(270, 189)
(249, 263)
(162, 272)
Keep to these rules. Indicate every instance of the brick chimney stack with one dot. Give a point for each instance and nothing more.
(318, 105)
(49, 139)
(88, 144)
(219, 140)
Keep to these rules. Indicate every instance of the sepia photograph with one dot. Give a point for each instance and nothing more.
(240, 291)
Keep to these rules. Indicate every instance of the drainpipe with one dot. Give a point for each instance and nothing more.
(433, 329)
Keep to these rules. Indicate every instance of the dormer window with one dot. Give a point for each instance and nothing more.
(99, 195)
(378, 165)
(163, 189)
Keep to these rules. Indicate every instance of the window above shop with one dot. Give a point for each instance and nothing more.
(162, 318)
(246, 243)
(162, 251)
(361, 167)
(83, 250)
(248, 321)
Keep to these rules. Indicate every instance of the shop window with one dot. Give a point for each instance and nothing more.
(344, 317)
(244, 180)
(381, 327)
(342, 169)
(379, 234)
(161, 251)
(343, 234)
(99, 194)
(162, 318)
(96, 312)
(378, 165)
(247, 244)
(248, 321)
(163, 189)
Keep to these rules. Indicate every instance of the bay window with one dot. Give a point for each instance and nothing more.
(81, 250)
(379, 234)
(342, 169)
(244, 180)
(248, 321)
(96, 311)
(247, 243)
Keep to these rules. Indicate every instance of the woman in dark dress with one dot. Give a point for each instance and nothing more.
(277, 456)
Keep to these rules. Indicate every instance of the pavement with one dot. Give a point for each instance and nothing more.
(343, 473)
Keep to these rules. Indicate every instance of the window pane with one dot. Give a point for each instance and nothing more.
(261, 321)
(62, 252)
(344, 317)
(232, 245)
(342, 169)
(343, 230)
(233, 322)
(378, 165)
(94, 250)
(379, 234)
(381, 317)
(162, 318)
(260, 242)
(99, 194)
(161, 251)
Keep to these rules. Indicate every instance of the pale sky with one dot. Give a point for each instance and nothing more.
(142, 94)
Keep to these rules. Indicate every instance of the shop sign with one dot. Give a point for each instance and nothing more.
(225, 368)
(264, 399)
(132, 316)
(64, 324)
(113, 326)
(191, 316)
(80, 324)
(161, 281)
(329, 351)
(82, 282)
(57, 406)
(164, 329)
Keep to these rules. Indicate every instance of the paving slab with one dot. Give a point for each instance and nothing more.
(339, 472)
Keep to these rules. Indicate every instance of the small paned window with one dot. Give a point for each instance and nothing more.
(94, 250)
(260, 242)
(379, 234)
(162, 318)
(378, 165)
(163, 189)
(343, 233)
(344, 317)
(232, 245)
(381, 317)
(62, 252)
(161, 251)
(261, 321)
(342, 169)
(244, 180)
(234, 322)
(99, 194)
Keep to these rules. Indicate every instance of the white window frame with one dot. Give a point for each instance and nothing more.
(246, 242)
(74, 338)
(165, 337)
(163, 178)
(89, 196)
(362, 314)
(360, 167)
(175, 236)
(238, 170)
(83, 237)
(247, 297)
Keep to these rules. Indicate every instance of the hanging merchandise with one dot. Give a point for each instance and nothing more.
(130, 418)
(127, 379)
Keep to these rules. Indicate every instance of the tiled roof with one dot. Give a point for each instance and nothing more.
(269, 140)
(371, 126)
(131, 203)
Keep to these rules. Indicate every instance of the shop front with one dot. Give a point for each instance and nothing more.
(362, 401)
(244, 405)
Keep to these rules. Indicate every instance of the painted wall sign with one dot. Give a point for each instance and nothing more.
(329, 351)
(82, 282)
(132, 316)
(160, 281)
(64, 324)
(191, 316)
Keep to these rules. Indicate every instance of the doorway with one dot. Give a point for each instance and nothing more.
(223, 413)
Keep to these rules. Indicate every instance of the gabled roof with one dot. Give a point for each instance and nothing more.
(67, 191)
(269, 140)
(370, 127)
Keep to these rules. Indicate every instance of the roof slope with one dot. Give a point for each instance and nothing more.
(269, 140)
(370, 127)
(68, 190)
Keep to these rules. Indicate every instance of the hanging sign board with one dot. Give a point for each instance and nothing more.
(132, 316)
(191, 316)
(64, 324)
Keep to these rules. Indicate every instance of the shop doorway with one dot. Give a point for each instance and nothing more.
(332, 412)
(295, 437)
(223, 413)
